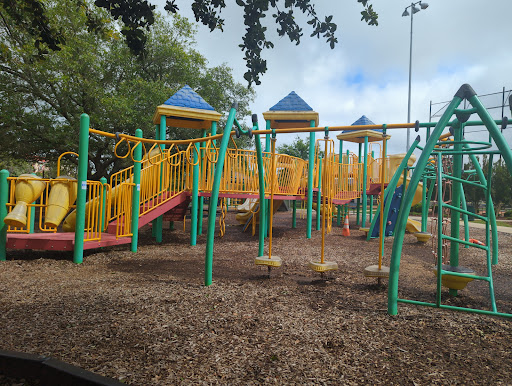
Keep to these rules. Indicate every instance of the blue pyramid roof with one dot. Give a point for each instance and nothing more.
(363, 121)
(291, 102)
(186, 97)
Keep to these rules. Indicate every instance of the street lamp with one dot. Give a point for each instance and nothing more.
(414, 10)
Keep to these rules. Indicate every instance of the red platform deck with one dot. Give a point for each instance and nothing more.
(59, 241)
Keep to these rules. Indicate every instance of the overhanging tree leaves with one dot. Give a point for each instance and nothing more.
(137, 16)
(41, 100)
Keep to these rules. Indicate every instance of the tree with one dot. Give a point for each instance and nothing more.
(501, 185)
(299, 148)
(41, 99)
(137, 16)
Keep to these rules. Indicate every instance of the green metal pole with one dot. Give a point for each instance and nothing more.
(267, 137)
(137, 156)
(103, 181)
(456, 201)
(214, 199)
(424, 208)
(161, 132)
(4, 197)
(319, 195)
(294, 214)
(465, 216)
(201, 199)
(213, 131)
(195, 195)
(358, 201)
(311, 163)
(154, 223)
(371, 198)
(365, 176)
(261, 185)
(487, 238)
(83, 163)
(340, 181)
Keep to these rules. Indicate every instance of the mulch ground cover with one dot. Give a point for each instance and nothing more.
(146, 318)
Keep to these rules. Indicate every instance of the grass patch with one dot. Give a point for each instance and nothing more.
(498, 223)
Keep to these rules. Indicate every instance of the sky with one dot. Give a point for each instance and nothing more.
(454, 42)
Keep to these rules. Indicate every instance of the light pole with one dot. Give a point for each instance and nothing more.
(414, 10)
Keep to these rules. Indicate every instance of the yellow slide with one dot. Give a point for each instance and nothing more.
(247, 205)
(242, 218)
(413, 226)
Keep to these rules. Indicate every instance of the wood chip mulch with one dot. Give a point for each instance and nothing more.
(145, 318)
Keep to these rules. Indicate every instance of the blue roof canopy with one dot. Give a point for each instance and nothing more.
(364, 120)
(186, 97)
(291, 102)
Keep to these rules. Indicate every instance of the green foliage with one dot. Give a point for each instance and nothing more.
(41, 100)
(137, 16)
(501, 185)
(416, 209)
(299, 148)
(16, 167)
(508, 214)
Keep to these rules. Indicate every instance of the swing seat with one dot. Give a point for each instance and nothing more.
(323, 267)
(455, 282)
(274, 261)
(374, 271)
(422, 237)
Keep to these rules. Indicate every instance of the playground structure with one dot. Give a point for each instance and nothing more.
(168, 175)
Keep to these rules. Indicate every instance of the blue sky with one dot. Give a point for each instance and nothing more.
(454, 42)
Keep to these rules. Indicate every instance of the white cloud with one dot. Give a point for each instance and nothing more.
(454, 42)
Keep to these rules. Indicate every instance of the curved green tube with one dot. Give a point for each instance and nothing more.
(409, 195)
(214, 199)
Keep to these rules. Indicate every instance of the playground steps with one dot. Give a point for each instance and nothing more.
(178, 212)
(157, 211)
(64, 241)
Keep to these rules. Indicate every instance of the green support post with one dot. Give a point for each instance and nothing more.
(311, 163)
(267, 137)
(154, 223)
(365, 187)
(32, 210)
(261, 184)
(103, 181)
(83, 163)
(340, 180)
(195, 196)
(456, 200)
(319, 195)
(4, 197)
(158, 224)
(371, 199)
(215, 196)
(294, 214)
(137, 157)
(424, 207)
(358, 201)
(201, 199)
(465, 216)
(213, 131)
